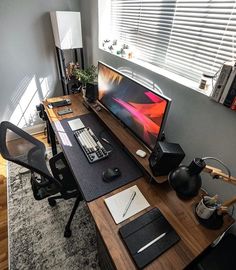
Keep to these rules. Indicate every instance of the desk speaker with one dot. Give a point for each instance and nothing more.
(165, 157)
(91, 92)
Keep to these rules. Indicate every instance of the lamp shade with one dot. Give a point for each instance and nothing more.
(186, 180)
(67, 31)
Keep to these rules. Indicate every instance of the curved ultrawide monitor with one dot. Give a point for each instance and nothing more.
(143, 111)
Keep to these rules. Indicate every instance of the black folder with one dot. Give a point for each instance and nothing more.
(142, 231)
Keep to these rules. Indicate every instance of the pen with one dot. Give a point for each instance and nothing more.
(151, 243)
(105, 140)
(129, 203)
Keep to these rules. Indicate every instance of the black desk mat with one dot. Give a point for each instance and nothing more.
(89, 176)
(143, 230)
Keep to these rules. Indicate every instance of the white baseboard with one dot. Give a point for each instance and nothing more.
(39, 128)
(35, 129)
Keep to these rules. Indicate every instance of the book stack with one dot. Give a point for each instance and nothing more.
(224, 90)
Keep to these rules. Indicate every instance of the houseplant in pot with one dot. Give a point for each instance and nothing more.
(86, 76)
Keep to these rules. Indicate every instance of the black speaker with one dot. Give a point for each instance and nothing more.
(91, 92)
(165, 157)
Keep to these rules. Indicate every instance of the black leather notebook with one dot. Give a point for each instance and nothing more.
(145, 229)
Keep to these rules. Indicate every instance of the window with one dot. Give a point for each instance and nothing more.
(186, 37)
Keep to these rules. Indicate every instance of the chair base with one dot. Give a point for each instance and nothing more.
(52, 202)
(67, 232)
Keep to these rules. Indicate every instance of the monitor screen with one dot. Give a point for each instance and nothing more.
(139, 108)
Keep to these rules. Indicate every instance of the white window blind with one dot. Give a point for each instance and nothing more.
(187, 37)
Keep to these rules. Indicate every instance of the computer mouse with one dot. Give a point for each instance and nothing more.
(110, 174)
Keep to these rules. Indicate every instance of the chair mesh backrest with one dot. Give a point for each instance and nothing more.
(23, 149)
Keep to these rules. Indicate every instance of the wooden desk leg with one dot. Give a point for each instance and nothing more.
(52, 138)
(105, 261)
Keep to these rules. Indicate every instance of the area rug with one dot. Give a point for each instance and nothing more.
(36, 230)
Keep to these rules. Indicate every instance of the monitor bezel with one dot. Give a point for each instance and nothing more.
(149, 89)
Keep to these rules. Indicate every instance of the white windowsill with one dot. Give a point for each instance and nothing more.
(170, 75)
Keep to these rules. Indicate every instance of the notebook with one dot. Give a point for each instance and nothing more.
(151, 227)
(117, 204)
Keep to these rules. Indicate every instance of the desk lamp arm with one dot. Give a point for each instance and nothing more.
(217, 173)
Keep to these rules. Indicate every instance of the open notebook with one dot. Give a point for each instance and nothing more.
(117, 204)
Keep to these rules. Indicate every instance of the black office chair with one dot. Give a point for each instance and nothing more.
(29, 152)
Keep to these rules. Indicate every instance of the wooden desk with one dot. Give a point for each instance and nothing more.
(194, 237)
(77, 107)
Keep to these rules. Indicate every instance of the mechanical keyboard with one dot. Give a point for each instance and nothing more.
(92, 148)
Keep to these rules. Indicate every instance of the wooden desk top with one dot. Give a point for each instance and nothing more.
(194, 237)
(77, 107)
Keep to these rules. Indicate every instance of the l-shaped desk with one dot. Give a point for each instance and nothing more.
(194, 237)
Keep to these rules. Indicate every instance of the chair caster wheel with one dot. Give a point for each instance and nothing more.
(52, 202)
(67, 233)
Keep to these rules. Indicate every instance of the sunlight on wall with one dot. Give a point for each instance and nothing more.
(25, 112)
(44, 87)
(31, 90)
(16, 115)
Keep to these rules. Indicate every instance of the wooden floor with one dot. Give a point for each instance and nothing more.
(3, 215)
(3, 209)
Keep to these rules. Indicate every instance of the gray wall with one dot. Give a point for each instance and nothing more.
(28, 53)
(200, 126)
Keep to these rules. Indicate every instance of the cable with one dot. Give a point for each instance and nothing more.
(221, 162)
(232, 213)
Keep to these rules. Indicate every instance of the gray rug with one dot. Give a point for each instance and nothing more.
(36, 229)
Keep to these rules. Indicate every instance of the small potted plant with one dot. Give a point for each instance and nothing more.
(88, 75)
(88, 79)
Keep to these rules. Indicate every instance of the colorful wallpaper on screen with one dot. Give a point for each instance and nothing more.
(140, 109)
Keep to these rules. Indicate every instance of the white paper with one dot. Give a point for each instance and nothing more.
(118, 202)
(76, 124)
